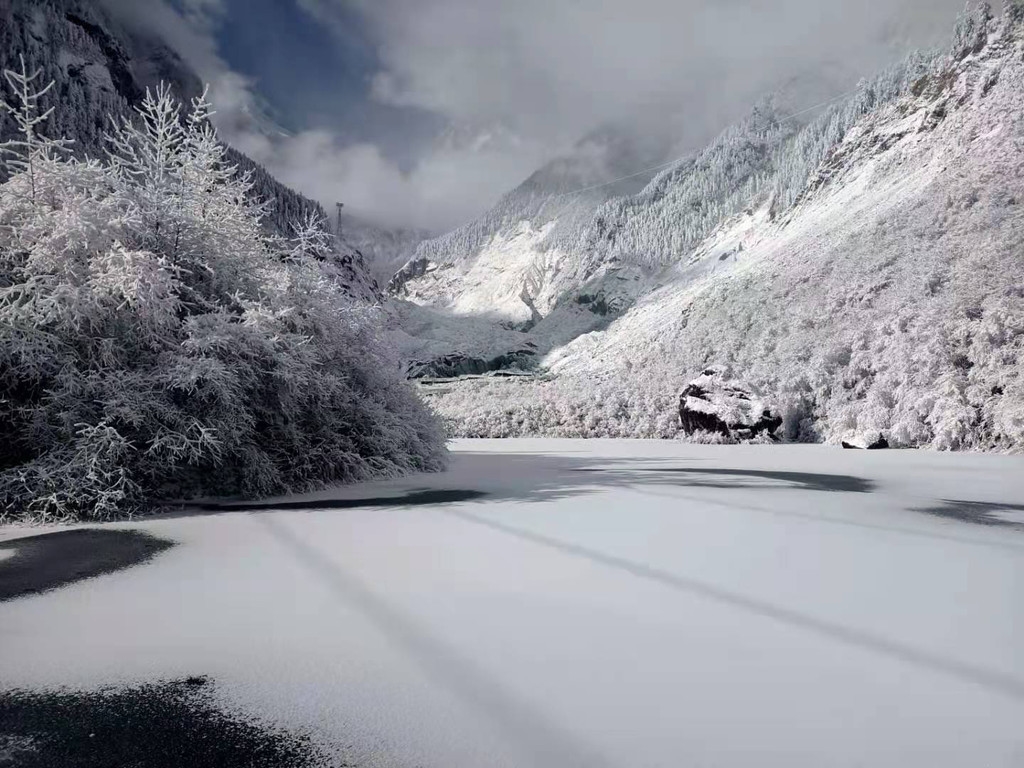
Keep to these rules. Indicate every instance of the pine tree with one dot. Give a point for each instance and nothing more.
(29, 151)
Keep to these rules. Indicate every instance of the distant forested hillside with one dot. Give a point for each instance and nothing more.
(101, 68)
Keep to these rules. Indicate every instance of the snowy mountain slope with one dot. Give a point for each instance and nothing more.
(436, 345)
(101, 67)
(558, 263)
(546, 202)
(481, 288)
(889, 297)
(385, 249)
(98, 65)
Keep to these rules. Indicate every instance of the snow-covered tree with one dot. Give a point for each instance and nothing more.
(157, 344)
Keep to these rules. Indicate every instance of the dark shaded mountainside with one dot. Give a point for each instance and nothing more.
(101, 68)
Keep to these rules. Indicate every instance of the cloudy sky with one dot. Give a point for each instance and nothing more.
(422, 112)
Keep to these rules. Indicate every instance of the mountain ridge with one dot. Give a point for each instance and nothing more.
(856, 281)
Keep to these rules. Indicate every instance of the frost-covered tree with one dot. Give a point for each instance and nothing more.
(27, 153)
(971, 31)
(100, 66)
(157, 344)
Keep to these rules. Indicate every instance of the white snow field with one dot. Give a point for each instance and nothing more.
(605, 603)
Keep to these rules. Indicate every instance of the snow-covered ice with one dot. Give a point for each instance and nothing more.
(605, 603)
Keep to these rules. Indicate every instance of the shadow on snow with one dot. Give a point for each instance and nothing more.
(51, 560)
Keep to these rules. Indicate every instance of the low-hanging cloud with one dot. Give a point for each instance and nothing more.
(518, 81)
(437, 193)
(556, 69)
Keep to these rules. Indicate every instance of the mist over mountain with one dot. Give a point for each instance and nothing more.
(422, 115)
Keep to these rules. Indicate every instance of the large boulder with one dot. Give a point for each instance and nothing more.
(871, 440)
(714, 402)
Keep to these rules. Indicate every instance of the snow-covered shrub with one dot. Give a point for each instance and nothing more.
(156, 344)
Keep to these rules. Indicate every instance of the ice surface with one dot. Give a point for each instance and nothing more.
(606, 603)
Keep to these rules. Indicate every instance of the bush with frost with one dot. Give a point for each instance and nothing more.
(155, 344)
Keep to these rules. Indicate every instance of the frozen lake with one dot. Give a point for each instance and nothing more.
(606, 603)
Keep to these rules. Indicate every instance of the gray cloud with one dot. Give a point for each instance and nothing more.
(190, 29)
(446, 184)
(518, 81)
(555, 69)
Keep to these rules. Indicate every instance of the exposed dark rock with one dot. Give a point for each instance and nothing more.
(452, 366)
(878, 444)
(715, 403)
(414, 269)
(596, 304)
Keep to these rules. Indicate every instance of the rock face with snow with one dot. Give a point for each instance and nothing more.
(718, 404)
(509, 253)
(584, 238)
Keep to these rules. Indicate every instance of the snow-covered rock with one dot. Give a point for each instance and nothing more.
(866, 441)
(716, 403)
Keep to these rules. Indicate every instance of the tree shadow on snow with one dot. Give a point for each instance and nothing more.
(542, 739)
(549, 477)
(705, 477)
(765, 608)
(52, 560)
(978, 513)
(532, 477)
(545, 478)
(411, 499)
